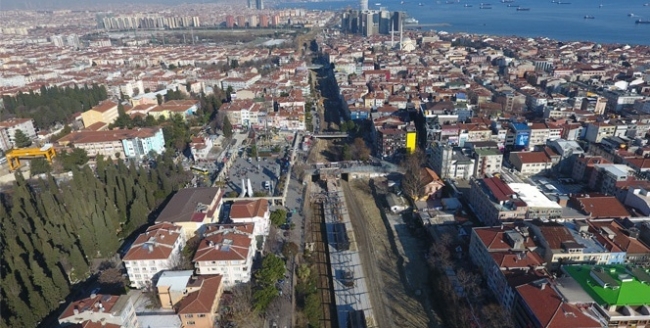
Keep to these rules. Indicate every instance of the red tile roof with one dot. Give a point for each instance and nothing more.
(201, 301)
(90, 304)
(500, 190)
(245, 209)
(550, 310)
(224, 246)
(600, 206)
(157, 243)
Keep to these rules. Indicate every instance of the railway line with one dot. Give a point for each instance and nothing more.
(321, 260)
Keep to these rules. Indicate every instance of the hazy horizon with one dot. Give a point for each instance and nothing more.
(85, 4)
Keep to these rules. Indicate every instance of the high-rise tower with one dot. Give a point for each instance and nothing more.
(363, 5)
(259, 4)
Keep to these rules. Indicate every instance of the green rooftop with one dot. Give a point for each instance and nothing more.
(623, 285)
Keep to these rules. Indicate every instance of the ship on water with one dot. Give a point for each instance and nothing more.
(523, 9)
(507, 1)
(642, 21)
(589, 17)
(513, 6)
(411, 21)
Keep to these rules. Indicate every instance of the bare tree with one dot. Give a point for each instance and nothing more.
(361, 150)
(241, 307)
(280, 307)
(413, 182)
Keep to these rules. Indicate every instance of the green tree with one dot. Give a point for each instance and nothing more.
(21, 140)
(279, 217)
(159, 98)
(227, 128)
(346, 152)
(253, 150)
(39, 165)
(272, 269)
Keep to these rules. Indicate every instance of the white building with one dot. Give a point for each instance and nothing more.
(227, 250)
(8, 130)
(200, 148)
(252, 211)
(154, 251)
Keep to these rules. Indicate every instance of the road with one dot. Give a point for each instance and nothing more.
(368, 260)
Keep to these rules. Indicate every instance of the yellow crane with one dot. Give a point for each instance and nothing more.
(14, 155)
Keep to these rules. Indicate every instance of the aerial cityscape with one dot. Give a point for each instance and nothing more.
(325, 164)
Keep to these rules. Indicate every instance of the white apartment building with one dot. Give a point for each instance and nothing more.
(154, 251)
(227, 250)
(8, 130)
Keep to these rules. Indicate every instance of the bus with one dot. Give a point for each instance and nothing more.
(200, 170)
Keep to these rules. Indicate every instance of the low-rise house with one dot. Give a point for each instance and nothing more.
(199, 308)
(200, 148)
(172, 287)
(105, 112)
(257, 212)
(432, 183)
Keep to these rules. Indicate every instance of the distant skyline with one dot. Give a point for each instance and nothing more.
(86, 4)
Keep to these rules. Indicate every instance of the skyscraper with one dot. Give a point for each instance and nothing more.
(259, 4)
(363, 5)
(250, 4)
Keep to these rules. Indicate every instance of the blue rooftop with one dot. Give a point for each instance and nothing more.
(520, 126)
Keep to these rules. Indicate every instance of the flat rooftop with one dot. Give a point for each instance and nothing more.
(532, 196)
(631, 292)
(587, 239)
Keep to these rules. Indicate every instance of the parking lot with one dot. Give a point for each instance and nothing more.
(266, 169)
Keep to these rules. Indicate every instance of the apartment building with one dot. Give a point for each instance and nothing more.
(101, 311)
(193, 208)
(488, 158)
(244, 113)
(494, 202)
(228, 250)
(156, 250)
(171, 287)
(452, 162)
(122, 143)
(184, 108)
(8, 130)
(605, 177)
(573, 243)
(393, 140)
(595, 132)
(238, 83)
(104, 113)
(530, 163)
(498, 251)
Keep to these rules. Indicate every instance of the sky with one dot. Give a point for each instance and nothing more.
(75, 4)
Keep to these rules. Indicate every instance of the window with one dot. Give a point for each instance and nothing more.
(201, 315)
(191, 323)
(189, 316)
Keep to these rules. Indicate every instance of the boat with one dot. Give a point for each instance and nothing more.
(411, 21)
(600, 5)
(378, 4)
(630, 15)
(401, 3)
(484, 7)
(523, 9)
(420, 4)
(467, 5)
(642, 21)
(485, 4)
(646, 4)
(563, 3)
(507, 1)
(513, 6)
(589, 17)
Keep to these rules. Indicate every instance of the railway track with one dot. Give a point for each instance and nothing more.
(321, 260)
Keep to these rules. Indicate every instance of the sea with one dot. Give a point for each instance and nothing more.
(613, 21)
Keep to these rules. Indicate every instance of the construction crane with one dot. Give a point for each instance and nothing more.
(14, 155)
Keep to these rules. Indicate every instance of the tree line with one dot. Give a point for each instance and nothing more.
(54, 104)
(52, 231)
